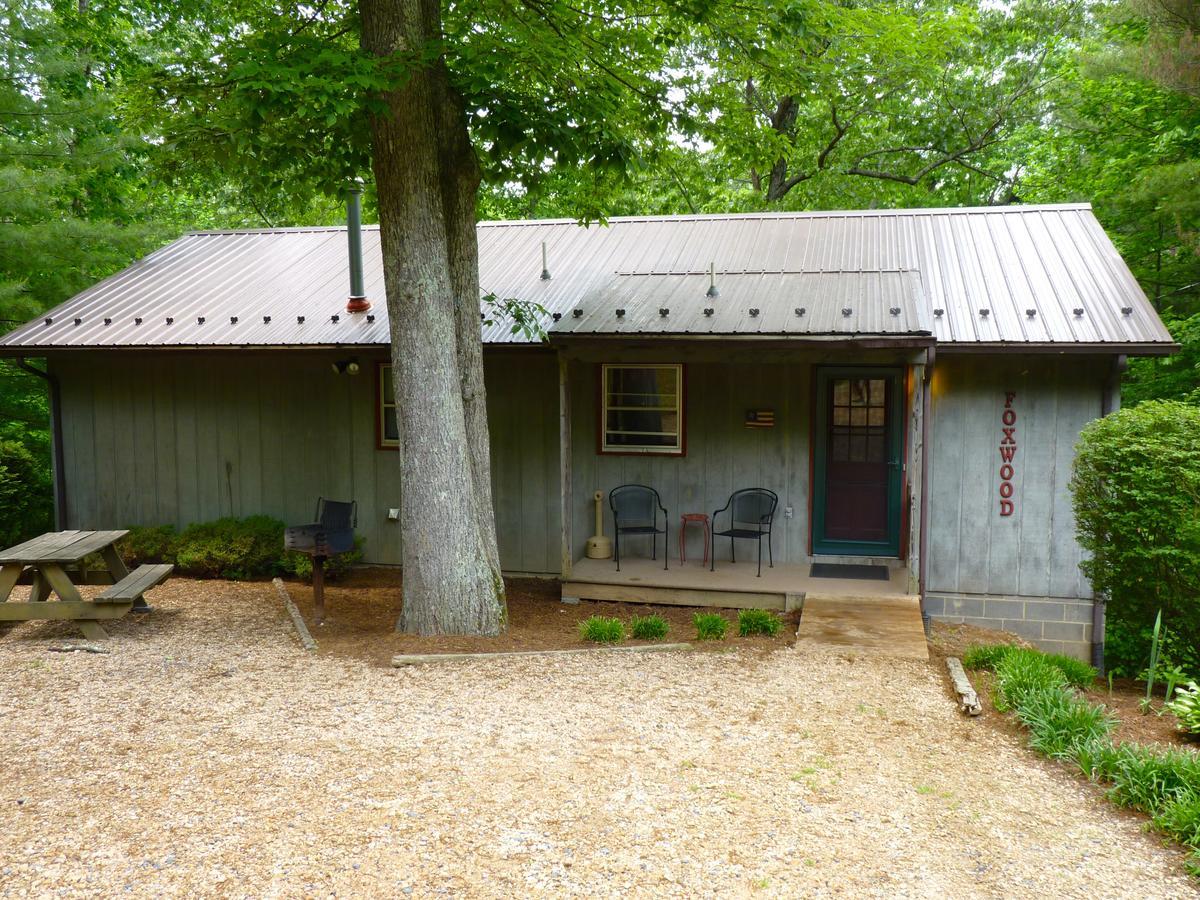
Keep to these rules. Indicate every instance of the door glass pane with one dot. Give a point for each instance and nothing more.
(841, 392)
(858, 392)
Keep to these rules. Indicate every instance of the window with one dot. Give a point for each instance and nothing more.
(389, 431)
(642, 409)
(859, 433)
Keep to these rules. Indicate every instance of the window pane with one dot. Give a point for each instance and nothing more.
(858, 417)
(858, 392)
(388, 391)
(841, 392)
(841, 415)
(876, 416)
(878, 390)
(390, 431)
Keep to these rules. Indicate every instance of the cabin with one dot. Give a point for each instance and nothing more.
(909, 384)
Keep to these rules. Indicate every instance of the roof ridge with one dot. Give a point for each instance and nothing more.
(1016, 208)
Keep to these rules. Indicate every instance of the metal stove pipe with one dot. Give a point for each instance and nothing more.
(358, 301)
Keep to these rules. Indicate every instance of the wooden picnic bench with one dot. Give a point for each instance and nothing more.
(49, 556)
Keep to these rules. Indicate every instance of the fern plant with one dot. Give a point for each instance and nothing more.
(1186, 707)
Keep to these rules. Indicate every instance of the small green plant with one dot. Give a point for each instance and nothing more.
(1172, 676)
(984, 656)
(710, 626)
(1186, 707)
(601, 630)
(648, 628)
(1155, 646)
(758, 621)
(1180, 816)
(1076, 672)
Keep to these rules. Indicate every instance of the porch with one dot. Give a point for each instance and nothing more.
(868, 616)
(730, 586)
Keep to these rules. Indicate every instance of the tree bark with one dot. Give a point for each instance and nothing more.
(460, 186)
(451, 585)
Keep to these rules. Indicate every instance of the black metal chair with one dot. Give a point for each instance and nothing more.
(635, 510)
(751, 514)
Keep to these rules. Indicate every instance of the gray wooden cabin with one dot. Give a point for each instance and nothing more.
(910, 383)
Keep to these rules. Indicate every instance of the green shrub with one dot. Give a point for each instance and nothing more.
(1186, 707)
(1061, 723)
(230, 548)
(1076, 671)
(601, 630)
(1020, 675)
(989, 657)
(710, 626)
(1180, 817)
(153, 544)
(1147, 778)
(301, 564)
(648, 628)
(758, 621)
(26, 494)
(984, 656)
(1136, 493)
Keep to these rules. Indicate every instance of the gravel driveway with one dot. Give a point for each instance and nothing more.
(208, 755)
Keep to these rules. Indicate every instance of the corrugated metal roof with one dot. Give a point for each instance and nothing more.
(1033, 275)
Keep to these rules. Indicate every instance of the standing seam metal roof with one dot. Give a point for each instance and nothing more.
(1021, 275)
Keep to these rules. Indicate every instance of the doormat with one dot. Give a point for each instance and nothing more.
(840, 570)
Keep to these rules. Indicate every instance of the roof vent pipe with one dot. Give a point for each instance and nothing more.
(358, 301)
(712, 282)
(545, 270)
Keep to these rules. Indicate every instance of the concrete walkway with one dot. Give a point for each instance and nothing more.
(869, 626)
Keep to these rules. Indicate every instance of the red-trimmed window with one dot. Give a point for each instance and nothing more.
(386, 424)
(641, 409)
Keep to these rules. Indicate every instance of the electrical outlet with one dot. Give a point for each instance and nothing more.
(787, 512)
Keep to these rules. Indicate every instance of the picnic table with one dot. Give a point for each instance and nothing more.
(49, 556)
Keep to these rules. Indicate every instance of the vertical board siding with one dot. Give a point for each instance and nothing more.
(973, 549)
(158, 439)
(723, 455)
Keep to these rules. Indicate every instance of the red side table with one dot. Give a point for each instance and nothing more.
(702, 518)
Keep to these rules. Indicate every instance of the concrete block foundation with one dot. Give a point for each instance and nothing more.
(1053, 624)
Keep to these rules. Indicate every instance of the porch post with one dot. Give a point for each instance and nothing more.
(564, 463)
(916, 481)
(926, 416)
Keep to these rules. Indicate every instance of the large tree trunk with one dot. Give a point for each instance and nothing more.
(460, 187)
(451, 585)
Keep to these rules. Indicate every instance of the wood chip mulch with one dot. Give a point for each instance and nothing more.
(362, 611)
(208, 755)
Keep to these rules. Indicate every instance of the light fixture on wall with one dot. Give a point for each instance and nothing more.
(345, 367)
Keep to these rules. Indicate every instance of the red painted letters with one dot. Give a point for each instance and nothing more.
(1008, 449)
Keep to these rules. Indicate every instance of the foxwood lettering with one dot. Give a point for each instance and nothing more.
(1008, 450)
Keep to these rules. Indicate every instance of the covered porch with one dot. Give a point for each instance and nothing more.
(730, 585)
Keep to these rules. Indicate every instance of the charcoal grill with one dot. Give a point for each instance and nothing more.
(331, 534)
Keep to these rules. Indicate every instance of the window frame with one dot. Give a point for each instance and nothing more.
(382, 442)
(602, 447)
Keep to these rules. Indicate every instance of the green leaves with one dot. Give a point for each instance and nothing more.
(1136, 493)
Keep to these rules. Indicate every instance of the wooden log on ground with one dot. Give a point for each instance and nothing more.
(297, 620)
(420, 659)
(968, 700)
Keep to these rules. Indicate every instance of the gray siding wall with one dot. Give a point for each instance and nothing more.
(723, 455)
(973, 549)
(189, 437)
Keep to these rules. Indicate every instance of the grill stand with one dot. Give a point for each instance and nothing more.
(318, 578)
